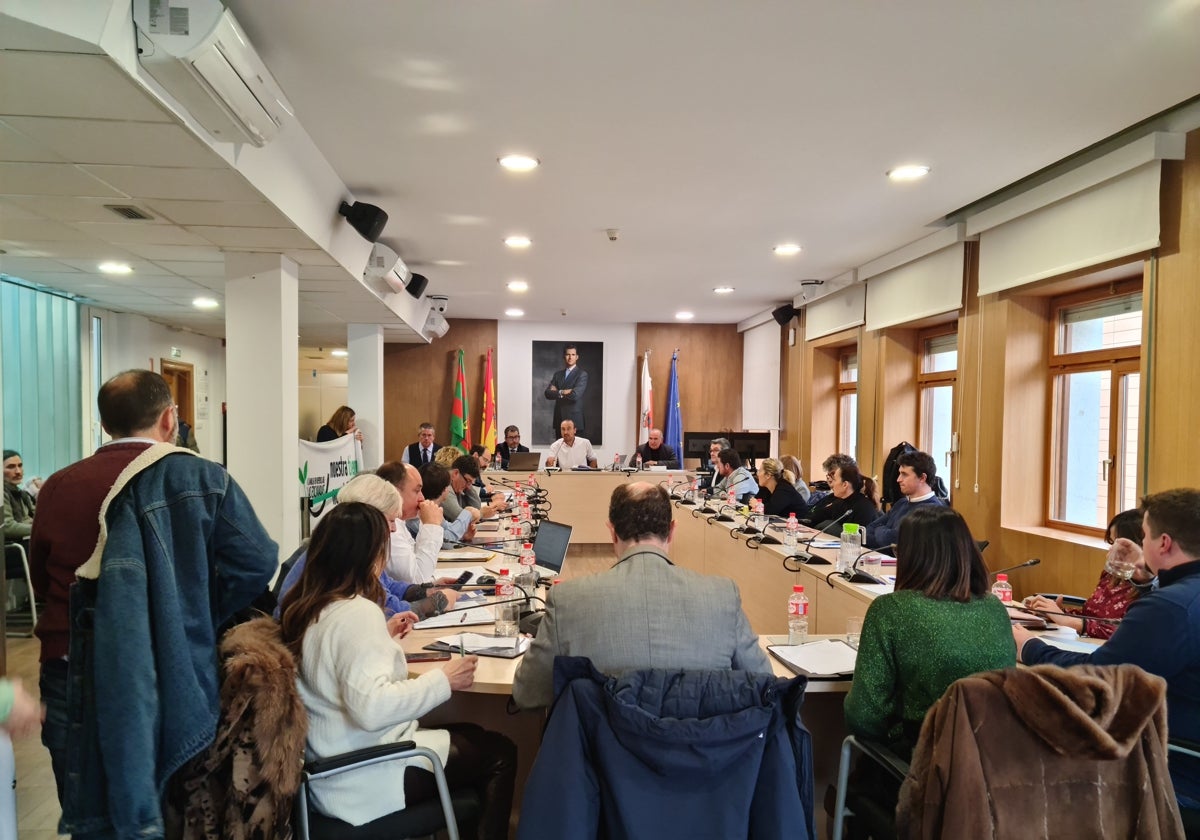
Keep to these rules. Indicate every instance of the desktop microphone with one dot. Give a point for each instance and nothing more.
(822, 532)
(1032, 562)
(856, 575)
(722, 516)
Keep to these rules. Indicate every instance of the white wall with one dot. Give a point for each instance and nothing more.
(514, 386)
(133, 341)
(321, 393)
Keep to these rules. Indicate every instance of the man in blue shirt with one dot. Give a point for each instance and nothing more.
(1161, 630)
(917, 471)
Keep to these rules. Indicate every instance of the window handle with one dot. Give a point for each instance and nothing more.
(1106, 465)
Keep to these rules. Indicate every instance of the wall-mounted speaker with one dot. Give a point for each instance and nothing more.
(416, 285)
(785, 313)
(367, 219)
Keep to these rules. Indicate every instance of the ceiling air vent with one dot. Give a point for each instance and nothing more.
(128, 211)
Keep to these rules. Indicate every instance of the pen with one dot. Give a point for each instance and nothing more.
(463, 620)
(462, 650)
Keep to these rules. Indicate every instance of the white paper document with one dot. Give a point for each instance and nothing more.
(476, 554)
(826, 658)
(474, 642)
(458, 618)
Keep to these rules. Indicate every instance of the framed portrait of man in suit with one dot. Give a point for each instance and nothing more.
(568, 383)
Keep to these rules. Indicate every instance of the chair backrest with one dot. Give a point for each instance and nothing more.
(1095, 735)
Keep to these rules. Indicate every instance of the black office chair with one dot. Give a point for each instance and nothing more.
(450, 812)
(1190, 816)
(870, 816)
(17, 565)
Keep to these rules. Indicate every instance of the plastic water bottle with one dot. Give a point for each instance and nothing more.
(797, 616)
(731, 498)
(527, 578)
(759, 519)
(791, 534)
(1002, 589)
(531, 488)
(616, 462)
(849, 549)
(638, 462)
(505, 615)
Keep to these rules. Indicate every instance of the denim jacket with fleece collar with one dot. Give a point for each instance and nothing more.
(180, 551)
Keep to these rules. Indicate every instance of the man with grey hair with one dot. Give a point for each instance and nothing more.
(709, 476)
(644, 612)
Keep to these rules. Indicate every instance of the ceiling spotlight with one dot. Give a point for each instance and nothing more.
(518, 286)
(908, 172)
(205, 303)
(519, 163)
(518, 242)
(723, 290)
(367, 219)
(339, 354)
(685, 316)
(514, 312)
(449, 263)
(115, 268)
(787, 249)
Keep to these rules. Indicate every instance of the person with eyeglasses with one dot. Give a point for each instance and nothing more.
(1122, 580)
(512, 443)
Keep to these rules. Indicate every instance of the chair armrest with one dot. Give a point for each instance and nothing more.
(1183, 746)
(891, 762)
(319, 766)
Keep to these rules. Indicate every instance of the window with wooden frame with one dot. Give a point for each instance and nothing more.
(937, 375)
(847, 399)
(1095, 394)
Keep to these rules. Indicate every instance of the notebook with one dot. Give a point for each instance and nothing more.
(550, 548)
(524, 461)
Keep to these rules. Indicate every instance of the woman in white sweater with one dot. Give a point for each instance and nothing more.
(355, 686)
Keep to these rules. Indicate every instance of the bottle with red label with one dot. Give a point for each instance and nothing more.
(797, 616)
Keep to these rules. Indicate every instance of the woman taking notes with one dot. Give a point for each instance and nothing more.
(354, 683)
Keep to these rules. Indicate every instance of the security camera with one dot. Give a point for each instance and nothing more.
(438, 303)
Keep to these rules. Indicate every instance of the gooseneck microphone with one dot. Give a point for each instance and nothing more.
(857, 575)
(1032, 562)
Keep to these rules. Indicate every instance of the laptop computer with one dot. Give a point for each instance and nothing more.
(549, 547)
(524, 461)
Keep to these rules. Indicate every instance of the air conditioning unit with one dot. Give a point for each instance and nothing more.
(199, 54)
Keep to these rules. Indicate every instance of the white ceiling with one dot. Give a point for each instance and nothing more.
(706, 131)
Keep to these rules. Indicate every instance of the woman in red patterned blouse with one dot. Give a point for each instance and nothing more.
(1123, 569)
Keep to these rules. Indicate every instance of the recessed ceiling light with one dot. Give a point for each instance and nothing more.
(518, 242)
(340, 354)
(518, 286)
(205, 303)
(723, 290)
(514, 312)
(115, 268)
(787, 249)
(449, 263)
(908, 172)
(685, 316)
(519, 163)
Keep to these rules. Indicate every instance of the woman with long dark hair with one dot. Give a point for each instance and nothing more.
(851, 493)
(355, 686)
(941, 624)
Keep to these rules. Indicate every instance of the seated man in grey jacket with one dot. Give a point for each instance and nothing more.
(642, 613)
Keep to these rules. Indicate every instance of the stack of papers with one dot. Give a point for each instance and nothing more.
(825, 542)
(826, 658)
(463, 554)
(506, 647)
(458, 618)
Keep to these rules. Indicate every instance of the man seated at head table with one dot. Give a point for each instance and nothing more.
(570, 450)
(644, 612)
(1160, 632)
(512, 443)
(655, 453)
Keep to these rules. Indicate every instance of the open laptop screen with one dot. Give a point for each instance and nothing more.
(524, 461)
(550, 545)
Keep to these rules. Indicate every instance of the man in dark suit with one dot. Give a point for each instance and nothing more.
(567, 388)
(693, 621)
(655, 453)
(421, 451)
(512, 443)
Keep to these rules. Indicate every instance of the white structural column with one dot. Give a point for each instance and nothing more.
(261, 334)
(364, 391)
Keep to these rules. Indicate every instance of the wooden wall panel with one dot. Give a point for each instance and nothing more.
(710, 373)
(1174, 313)
(418, 382)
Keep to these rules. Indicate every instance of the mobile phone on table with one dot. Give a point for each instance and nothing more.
(463, 578)
(428, 656)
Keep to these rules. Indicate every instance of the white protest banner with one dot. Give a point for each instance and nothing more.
(324, 468)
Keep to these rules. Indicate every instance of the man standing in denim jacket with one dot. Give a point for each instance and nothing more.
(180, 550)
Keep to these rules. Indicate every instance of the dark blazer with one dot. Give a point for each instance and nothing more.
(414, 452)
(664, 456)
(784, 500)
(863, 512)
(502, 453)
(569, 407)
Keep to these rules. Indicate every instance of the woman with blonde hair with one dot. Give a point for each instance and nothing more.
(447, 455)
(340, 424)
(792, 464)
(777, 489)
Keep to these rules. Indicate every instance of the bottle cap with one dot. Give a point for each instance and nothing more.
(1001, 577)
(527, 545)
(797, 588)
(504, 572)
